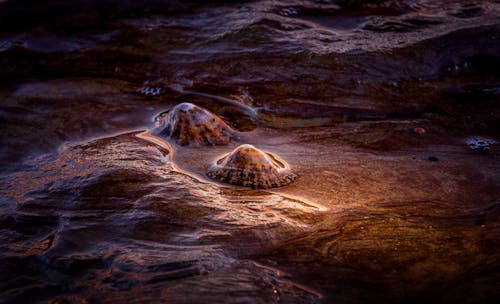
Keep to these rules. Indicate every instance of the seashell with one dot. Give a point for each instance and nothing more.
(150, 91)
(190, 125)
(250, 167)
(480, 143)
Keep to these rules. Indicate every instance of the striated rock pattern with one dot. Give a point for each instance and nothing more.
(250, 167)
(190, 125)
(342, 85)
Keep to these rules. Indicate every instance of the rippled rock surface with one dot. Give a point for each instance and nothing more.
(114, 217)
(190, 125)
(387, 110)
(250, 167)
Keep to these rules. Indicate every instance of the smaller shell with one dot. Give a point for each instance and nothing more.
(251, 167)
(190, 125)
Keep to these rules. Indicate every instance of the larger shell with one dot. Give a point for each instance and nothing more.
(190, 125)
(251, 167)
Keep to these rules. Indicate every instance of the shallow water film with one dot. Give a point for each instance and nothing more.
(375, 176)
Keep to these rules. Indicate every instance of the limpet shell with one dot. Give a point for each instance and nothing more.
(190, 125)
(250, 167)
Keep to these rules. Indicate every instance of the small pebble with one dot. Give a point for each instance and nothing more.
(419, 131)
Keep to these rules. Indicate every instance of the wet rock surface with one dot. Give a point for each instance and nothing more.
(92, 209)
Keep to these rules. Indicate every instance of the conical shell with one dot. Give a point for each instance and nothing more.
(190, 125)
(250, 167)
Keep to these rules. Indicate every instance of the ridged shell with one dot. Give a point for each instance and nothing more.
(250, 167)
(190, 125)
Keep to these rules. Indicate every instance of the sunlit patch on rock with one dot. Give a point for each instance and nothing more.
(190, 125)
(250, 167)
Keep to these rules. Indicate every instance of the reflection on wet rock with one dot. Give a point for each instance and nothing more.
(109, 166)
(395, 25)
(250, 167)
(253, 282)
(190, 125)
(388, 7)
(372, 102)
(168, 230)
(389, 244)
